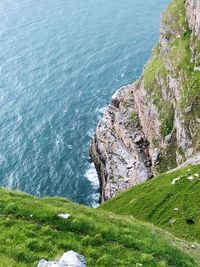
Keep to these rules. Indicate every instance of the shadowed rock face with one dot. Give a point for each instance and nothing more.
(147, 129)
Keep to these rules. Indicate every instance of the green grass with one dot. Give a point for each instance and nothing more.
(134, 118)
(169, 206)
(30, 230)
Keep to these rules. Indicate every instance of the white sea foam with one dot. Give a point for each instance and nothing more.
(59, 141)
(95, 200)
(2, 158)
(19, 118)
(69, 146)
(92, 176)
(91, 133)
(102, 110)
(10, 180)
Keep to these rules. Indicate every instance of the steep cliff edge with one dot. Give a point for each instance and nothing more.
(153, 125)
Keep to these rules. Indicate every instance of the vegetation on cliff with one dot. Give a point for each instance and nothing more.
(172, 81)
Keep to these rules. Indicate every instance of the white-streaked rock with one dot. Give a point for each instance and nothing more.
(42, 263)
(175, 180)
(64, 215)
(70, 259)
(190, 178)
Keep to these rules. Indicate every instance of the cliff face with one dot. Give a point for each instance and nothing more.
(193, 16)
(153, 125)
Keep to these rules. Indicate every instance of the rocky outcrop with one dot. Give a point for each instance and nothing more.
(70, 258)
(193, 16)
(119, 149)
(153, 125)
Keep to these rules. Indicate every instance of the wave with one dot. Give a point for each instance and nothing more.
(92, 176)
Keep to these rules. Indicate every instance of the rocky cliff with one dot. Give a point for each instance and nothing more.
(153, 125)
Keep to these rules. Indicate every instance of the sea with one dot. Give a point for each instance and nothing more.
(60, 63)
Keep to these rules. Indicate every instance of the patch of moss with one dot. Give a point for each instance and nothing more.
(167, 160)
(167, 119)
(181, 153)
(174, 18)
(134, 118)
(195, 46)
(154, 70)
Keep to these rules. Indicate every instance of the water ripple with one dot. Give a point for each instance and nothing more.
(60, 62)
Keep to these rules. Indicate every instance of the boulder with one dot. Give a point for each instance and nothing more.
(64, 215)
(42, 263)
(70, 258)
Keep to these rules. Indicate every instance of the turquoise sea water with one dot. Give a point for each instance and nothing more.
(60, 62)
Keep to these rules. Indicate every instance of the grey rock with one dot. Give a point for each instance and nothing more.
(138, 139)
(193, 16)
(123, 145)
(197, 68)
(168, 138)
(156, 155)
(42, 263)
(70, 259)
(188, 109)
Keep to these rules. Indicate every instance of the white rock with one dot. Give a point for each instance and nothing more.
(54, 264)
(72, 258)
(196, 68)
(176, 209)
(168, 138)
(42, 263)
(190, 178)
(137, 139)
(64, 215)
(175, 180)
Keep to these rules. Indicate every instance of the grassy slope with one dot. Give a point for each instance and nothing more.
(30, 230)
(166, 205)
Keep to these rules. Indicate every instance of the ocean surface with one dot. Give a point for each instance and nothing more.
(60, 63)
